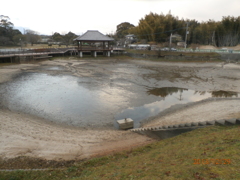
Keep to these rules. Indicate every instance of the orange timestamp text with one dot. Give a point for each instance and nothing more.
(212, 161)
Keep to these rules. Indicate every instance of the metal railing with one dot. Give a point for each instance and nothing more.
(210, 50)
(86, 48)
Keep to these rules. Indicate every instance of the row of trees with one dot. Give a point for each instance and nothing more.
(11, 36)
(158, 28)
(63, 39)
(153, 27)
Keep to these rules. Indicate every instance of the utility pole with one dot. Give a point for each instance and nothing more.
(21, 43)
(213, 39)
(170, 42)
(186, 36)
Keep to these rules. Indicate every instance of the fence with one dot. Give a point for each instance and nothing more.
(210, 50)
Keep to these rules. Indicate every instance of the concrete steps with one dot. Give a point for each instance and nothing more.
(189, 126)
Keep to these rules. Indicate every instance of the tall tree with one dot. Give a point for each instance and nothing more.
(57, 37)
(158, 27)
(123, 29)
(228, 31)
(6, 28)
(68, 38)
(5, 23)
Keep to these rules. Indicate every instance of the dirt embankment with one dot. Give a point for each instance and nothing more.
(213, 47)
(25, 135)
(207, 110)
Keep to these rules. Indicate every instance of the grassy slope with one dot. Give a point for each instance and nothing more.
(167, 159)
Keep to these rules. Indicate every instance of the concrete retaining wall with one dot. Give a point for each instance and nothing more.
(230, 57)
(172, 57)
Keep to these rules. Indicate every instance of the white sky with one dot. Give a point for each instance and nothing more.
(78, 16)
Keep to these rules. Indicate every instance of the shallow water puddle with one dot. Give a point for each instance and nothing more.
(171, 96)
(87, 102)
(61, 99)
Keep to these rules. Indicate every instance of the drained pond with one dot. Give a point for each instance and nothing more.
(99, 99)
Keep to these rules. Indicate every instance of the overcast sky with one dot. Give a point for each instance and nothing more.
(78, 16)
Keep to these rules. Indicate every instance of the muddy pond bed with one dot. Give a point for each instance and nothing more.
(95, 95)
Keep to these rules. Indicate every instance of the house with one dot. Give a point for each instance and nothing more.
(130, 39)
(176, 38)
(139, 46)
(44, 39)
(181, 44)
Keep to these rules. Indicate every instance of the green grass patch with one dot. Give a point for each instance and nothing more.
(207, 153)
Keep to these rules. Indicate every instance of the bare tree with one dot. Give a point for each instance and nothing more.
(32, 36)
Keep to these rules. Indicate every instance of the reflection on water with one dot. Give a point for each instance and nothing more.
(62, 99)
(52, 68)
(171, 96)
(166, 91)
(163, 92)
(224, 94)
(55, 68)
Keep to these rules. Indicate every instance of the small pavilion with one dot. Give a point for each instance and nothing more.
(93, 41)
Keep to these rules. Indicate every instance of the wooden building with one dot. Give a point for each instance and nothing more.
(93, 41)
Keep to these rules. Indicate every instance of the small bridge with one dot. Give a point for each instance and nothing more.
(168, 131)
(20, 55)
(35, 52)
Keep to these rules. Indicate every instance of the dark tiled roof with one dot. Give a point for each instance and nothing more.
(93, 35)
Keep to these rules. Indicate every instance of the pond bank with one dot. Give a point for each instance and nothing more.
(27, 135)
